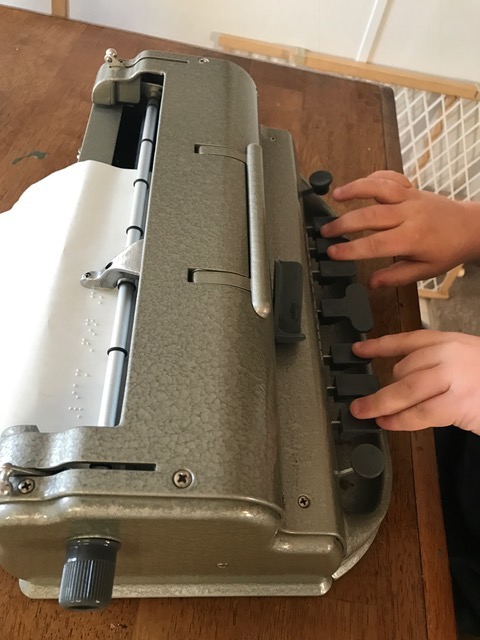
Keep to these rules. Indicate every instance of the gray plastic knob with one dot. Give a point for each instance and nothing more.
(88, 573)
(368, 461)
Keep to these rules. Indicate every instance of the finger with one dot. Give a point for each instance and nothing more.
(392, 175)
(381, 190)
(399, 396)
(426, 358)
(401, 273)
(383, 244)
(399, 344)
(374, 218)
(435, 412)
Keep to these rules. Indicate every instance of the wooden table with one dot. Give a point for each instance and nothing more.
(401, 589)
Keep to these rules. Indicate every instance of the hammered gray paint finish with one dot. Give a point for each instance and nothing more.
(206, 389)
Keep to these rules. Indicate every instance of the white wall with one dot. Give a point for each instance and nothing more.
(433, 36)
(311, 24)
(40, 6)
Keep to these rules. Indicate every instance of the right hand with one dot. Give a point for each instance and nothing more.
(435, 383)
(428, 233)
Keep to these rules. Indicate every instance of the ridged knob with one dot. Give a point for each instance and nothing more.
(88, 573)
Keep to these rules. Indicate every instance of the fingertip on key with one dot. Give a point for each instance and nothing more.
(324, 231)
(358, 348)
(332, 251)
(356, 409)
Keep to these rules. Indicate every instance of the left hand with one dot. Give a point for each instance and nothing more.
(436, 384)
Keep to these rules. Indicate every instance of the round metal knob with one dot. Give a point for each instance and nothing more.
(88, 573)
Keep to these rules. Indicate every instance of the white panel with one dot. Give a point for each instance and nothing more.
(432, 36)
(372, 30)
(52, 370)
(40, 6)
(329, 27)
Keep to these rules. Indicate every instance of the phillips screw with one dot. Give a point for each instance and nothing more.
(303, 501)
(182, 478)
(26, 486)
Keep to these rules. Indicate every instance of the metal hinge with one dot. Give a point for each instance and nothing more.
(126, 266)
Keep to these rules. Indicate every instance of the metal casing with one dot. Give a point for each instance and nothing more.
(207, 389)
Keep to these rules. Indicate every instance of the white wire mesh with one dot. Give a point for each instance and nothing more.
(440, 144)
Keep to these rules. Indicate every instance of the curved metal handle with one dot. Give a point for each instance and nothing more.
(259, 267)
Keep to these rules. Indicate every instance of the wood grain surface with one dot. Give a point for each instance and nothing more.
(401, 589)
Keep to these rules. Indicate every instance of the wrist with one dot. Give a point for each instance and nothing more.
(471, 227)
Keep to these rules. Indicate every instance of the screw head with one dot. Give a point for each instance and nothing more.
(182, 478)
(203, 60)
(26, 486)
(303, 501)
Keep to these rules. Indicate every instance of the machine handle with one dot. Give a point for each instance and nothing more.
(259, 268)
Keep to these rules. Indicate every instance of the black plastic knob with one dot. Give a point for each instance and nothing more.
(320, 182)
(88, 573)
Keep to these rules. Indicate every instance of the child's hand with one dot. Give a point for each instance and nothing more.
(428, 233)
(436, 384)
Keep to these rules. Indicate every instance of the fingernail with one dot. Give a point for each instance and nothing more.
(337, 192)
(324, 230)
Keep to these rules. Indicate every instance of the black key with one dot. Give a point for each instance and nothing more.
(319, 252)
(348, 386)
(330, 271)
(355, 306)
(342, 356)
(351, 426)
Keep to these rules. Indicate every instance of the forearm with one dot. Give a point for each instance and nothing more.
(472, 223)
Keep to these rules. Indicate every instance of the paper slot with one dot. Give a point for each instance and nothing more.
(54, 333)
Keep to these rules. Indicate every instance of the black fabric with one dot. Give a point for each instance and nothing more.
(458, 454)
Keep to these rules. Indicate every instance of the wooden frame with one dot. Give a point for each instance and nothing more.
(344, 66)
(443, 291)
(60, 8)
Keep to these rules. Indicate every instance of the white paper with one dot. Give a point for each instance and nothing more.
(54, 333)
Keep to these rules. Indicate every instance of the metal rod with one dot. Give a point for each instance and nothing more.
(117, 355)
(124, 312)
(259, 268)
